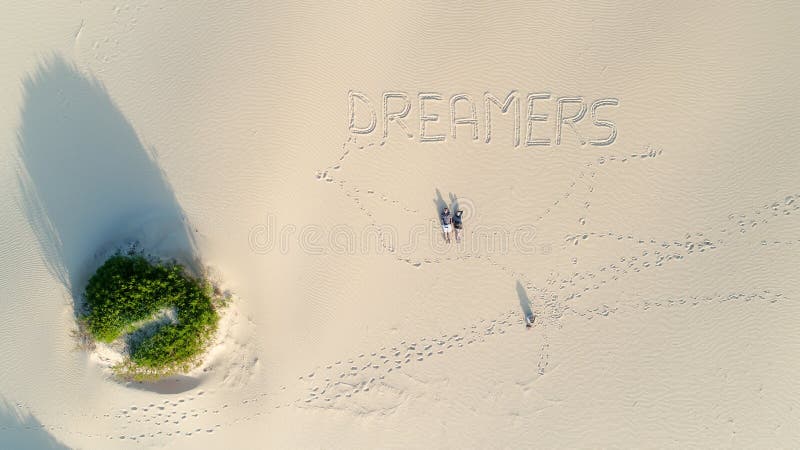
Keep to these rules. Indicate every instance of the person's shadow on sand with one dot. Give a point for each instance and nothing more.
(524, 302)
(439, 202)
(87, 182)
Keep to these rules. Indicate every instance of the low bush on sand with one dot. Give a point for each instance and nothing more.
(166, 316)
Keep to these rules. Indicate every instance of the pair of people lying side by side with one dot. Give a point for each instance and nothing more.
(450, 222)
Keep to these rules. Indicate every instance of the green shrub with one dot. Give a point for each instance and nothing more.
(128, 290)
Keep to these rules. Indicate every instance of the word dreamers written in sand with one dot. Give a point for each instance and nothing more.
(566, 112)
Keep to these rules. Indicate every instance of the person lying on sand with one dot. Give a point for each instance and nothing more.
(447, 223)
(458, 225)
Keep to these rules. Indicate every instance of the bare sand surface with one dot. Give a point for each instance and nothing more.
(661, 268)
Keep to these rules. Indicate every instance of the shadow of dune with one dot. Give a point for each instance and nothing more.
(21, 431)
(175, 384)
(88, 184)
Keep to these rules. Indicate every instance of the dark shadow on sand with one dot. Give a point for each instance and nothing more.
(88, 184)
(524, 301)
(440, 202)
(175, 384)
(21, 431)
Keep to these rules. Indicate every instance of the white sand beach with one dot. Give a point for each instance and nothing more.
(645, 209)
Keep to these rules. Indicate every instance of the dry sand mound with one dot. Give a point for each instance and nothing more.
(661, 266)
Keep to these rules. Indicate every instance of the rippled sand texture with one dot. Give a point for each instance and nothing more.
(661, 269)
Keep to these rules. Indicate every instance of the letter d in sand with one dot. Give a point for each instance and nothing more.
(373, 120)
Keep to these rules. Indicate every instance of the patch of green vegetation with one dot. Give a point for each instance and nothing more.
(129, 290)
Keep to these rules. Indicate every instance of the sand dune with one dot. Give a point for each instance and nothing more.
(660, 265)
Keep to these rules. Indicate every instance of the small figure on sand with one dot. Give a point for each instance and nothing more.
(458, 224)
(529, 318)
(447, 223)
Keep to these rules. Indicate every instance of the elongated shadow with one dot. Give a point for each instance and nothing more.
(439, 202)
(88, 183)
(176, 384)
(453, 202)
(524, 301)
(19, 430)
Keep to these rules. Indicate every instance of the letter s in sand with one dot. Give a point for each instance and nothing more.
(604, 123)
